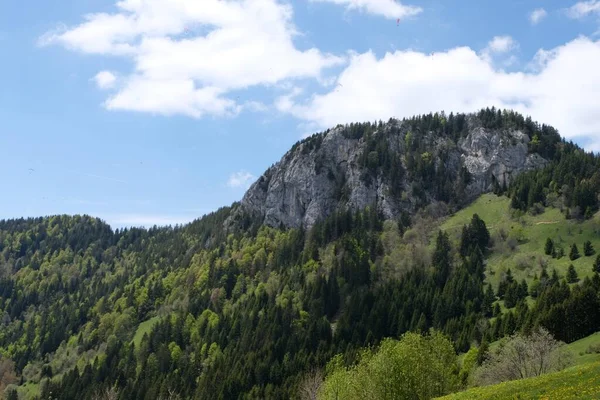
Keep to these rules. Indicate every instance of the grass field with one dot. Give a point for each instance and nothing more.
(144, 327)
(579, 348)
(581, 382)
(531, 231)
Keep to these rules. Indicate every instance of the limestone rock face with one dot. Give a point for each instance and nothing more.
(500, 154)
(313, 180)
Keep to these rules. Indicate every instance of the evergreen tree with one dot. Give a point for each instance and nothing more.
(596, 265)
(488, 301)
(482, 352)
(588, 249)
(574, 253)
(549, 247)
(441, 258)
(572, 275)
(523, 289)
(497, 310)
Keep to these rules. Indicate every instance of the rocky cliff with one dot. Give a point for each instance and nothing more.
(395, 166)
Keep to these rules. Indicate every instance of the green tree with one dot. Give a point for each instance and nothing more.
(572, 275)
(549, 247)
(574, 253)
(596, 265)
(588, 249)
(441, 259)
(415, 367)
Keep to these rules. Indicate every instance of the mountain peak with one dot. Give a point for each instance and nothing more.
(398, 166)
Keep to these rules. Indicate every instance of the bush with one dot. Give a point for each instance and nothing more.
(415, 367)
(520, 357)
(593, 349)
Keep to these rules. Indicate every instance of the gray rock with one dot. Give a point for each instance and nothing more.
(306, 185)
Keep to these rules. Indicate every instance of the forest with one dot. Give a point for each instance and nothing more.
(249, 312)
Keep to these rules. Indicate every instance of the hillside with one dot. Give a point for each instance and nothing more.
(580, 382)
(519, 239)
(244, 302)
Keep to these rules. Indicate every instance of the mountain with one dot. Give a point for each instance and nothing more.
(364, 232)
(397, 166)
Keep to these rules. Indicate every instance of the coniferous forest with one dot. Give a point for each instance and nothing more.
(206, 311)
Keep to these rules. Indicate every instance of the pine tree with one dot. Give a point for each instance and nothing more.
(549, 248)
(574, 253)
(488, 300)
(482, 352)
(497, 310)
(588, 249)
(596, 266)
(523, 289)
(572, 275)
(441, 258)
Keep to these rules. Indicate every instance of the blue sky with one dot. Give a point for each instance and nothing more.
(158, 111)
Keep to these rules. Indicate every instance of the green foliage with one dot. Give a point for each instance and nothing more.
(549, 247)
(474, 237)
(574, 253)
(199, 310)
(588, 249)
(414, 367)
(572, 275)
(576, 383)
(596, 266)
(572, 179)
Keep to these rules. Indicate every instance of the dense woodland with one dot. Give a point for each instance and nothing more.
(247, 312)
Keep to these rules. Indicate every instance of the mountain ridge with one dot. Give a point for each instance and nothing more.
(398, 166)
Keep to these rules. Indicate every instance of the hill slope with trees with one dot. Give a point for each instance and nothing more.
(230, 307)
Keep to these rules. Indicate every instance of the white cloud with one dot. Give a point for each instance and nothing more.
(584, 8)
(537, 16)
(502, 44)
(388, 8)
(105, 79)
(562, 91)
(241, 179)
(236, 45)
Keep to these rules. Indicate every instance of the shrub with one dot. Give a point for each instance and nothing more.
(520, 356)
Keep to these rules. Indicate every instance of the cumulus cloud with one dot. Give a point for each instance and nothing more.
(501, 44)
(105, 79)
(562, 89)
(584, 8)
(241, 179)
(537, 16)
(236, 45)
(388, 8)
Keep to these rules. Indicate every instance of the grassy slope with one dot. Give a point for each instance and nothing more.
(144, 327)
(535, 230)
(579, 382)
(579, 348)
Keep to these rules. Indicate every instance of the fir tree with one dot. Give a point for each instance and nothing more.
(549, 247)
(574, 253)
(572, 275)
(596, 266)
(488, 300)
(588, 249)
(482, 352)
